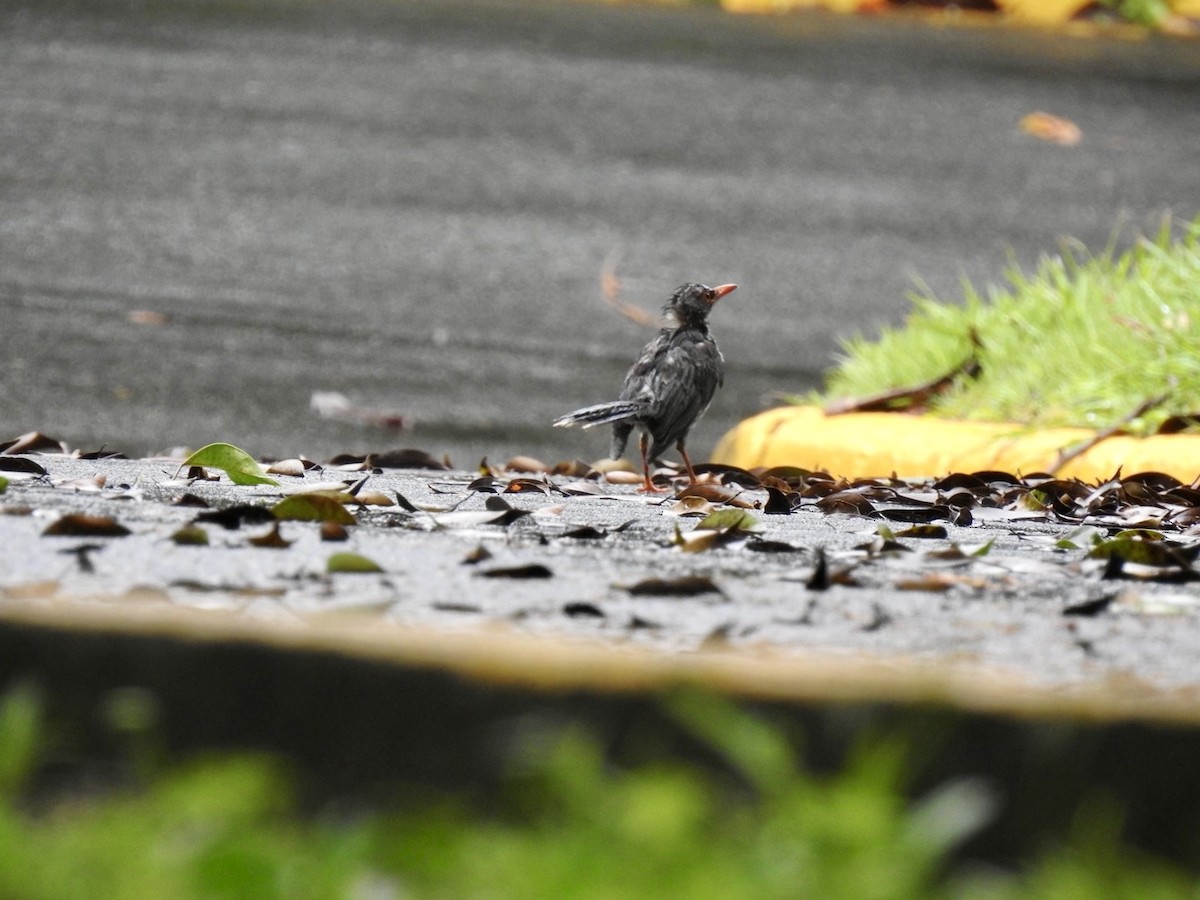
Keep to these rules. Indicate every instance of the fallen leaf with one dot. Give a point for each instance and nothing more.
(582, 610)
(582, 489)
(272, 539)
(519, 485)
(730, 520)
(918, 514)
(715, 493)
(19, 464)
(572, 468)
(685, 586)
(699, 540)
(760, 545)
(1145, 552)
(313, 508)
(239, 465)
(292, 467)
(585, 533)
(232, 517)
(33, 442)
(190, 536)
(531, 570)
(780, 502)
(1054, 129)
(488, 484)
(406, 459)
(923, 531)
(689, 506)
(370, 498)
(928, 581)
(351, 563)
(83, 485)
(1089, 608)
(82, 525)
(622, 476)
(526, 464)
(729, 474)
(102, 453)
(476, 556)
(334, 531)
(846, 502)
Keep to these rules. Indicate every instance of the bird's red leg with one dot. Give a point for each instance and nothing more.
(687, 462)
(647, 487)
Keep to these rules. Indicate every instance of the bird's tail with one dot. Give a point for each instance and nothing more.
(602, 414)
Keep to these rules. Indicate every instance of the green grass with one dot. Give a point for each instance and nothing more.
(1083, 340)
(573, 827)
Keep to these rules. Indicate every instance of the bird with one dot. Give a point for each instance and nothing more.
(669, 386)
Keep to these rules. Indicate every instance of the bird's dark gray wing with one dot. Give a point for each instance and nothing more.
(682, 384)
(638, 380)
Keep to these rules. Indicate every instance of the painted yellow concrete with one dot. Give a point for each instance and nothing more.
(879, 444)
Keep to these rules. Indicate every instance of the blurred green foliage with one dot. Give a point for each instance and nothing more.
(573, 826)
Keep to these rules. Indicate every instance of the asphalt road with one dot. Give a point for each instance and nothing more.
(411, 203)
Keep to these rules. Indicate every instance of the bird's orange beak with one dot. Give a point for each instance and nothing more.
(722, 290)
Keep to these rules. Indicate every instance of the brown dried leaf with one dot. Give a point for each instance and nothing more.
(1052, 128)
(33, 442)
(292, 467)
(407, 458)
(525, 485)
(478, 555)
(526, 464)
(272, 539)
(685, 586)
(334, 531)
(232, 517)
(846, 502)
(82, 525)
(531, 570)
(689, 506)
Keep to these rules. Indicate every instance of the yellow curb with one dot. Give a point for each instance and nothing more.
(860, 445)
(547, 664)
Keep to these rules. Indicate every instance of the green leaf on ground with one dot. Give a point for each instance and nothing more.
(190, 536)
(320, 507)
(240, 466)
(725, 520)
(351, 562)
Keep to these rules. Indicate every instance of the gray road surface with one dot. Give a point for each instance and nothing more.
(411, 203)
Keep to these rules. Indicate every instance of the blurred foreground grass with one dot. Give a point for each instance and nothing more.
(571, 825)
(1083, 341)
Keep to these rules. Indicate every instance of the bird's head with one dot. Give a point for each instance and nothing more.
(691, 303)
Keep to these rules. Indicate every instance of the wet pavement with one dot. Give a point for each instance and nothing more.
(208, 212)
(1001, 596)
